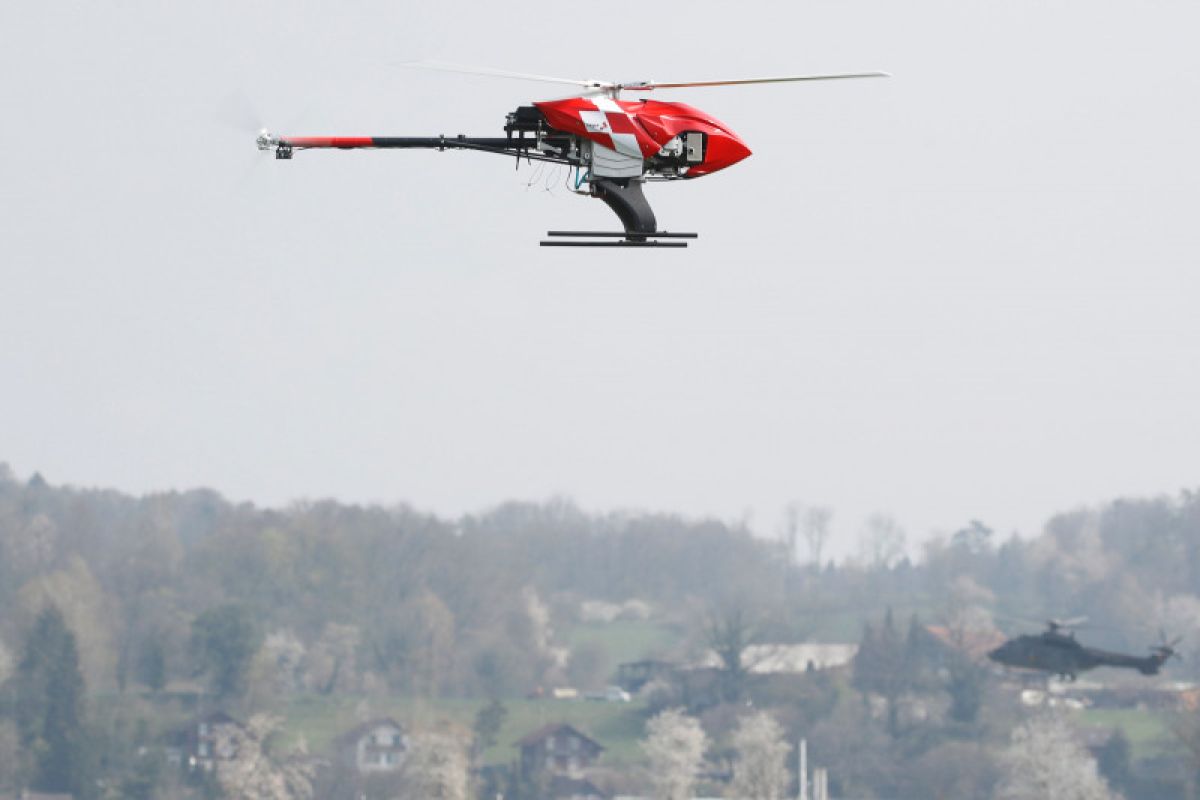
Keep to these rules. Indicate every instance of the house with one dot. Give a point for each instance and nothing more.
(775, 669)
(975, 644)
(787, 659)
(564, 787)
(373, 747)
(558, 749)
(211, 739)
(633, 675)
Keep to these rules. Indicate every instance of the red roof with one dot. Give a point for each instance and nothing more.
(976, 644)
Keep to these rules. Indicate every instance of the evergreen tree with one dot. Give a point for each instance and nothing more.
(880, 667)
(225, 640)
(50, 706)
(917, 666)
(966, 684)
(152, 663)
(488, 722)
(1113, 759)
(864, 666)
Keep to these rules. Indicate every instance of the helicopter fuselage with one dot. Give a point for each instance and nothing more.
(671, 140)
(615, 146)
(1060, 654)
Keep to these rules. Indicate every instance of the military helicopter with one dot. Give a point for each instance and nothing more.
(1057, 651)
(613, 145)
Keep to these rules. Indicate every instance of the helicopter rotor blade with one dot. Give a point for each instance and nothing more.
(443, 66)
(1072, 622)
(238, 112)
(1019, 620)
(646, 86)
(1053, 623)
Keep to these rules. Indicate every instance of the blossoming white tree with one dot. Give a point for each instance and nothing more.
(760, 771)
(436, 768)
(1044, 760)
(250, 773)
(674, 745)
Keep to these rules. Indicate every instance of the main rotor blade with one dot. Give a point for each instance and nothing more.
(1073, 622)
(649, 85)
(442, 66)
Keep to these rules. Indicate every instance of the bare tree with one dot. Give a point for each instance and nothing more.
(791, 529)
(816, 531)
(6, 661)
(1044, 760)
(674, 745)
(729, 632)
(436, 768)
(1179, 615)
(10, 756)
(953, 770)
(760, 771)
(329, 665)
(1186, 727)
(883, 541)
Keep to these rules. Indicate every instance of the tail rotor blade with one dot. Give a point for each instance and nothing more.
(237, 112)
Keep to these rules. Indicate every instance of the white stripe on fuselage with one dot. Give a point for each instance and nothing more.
(626, 143)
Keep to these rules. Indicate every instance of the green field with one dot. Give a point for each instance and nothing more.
(626, 640)
(834, 624)
(1149, 732)
(318, 720)
(617, 726)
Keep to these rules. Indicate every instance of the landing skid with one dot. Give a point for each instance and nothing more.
(626, 239)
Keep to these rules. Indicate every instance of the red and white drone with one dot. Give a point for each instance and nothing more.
(614, 145)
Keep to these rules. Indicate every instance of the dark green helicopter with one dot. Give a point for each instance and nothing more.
(1055, 650)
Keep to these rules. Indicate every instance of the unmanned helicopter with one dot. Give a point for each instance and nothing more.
(613, 145)
(1057, 651)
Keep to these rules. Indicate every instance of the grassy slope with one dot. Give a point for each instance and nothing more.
(625, 640)
(617, 726)
(1148, 731)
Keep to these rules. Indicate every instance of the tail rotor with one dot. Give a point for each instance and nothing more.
(1164, 651)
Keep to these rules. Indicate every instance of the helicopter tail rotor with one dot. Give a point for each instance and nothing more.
(1161, 654)
(266, 140)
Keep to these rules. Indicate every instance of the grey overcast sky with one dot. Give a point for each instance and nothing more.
(969, 291)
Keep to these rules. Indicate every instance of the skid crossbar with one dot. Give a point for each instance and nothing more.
(619, 243)
(627, 239)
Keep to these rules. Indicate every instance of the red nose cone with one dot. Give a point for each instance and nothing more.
(724, 150)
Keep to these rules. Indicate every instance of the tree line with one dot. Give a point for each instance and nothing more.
(253, 605)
